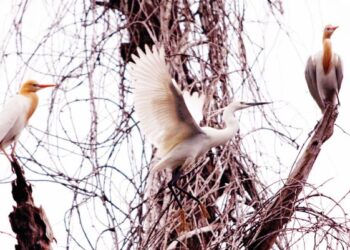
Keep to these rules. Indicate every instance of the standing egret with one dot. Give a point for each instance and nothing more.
(16, 113)
(166, 120)
(324, 72)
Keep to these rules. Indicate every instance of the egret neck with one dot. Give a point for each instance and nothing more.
(231, 123)
(33, 97)
(327, 53)
(221, 136)
(29, 90)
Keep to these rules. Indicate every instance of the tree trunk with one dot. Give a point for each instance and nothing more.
(29, 222)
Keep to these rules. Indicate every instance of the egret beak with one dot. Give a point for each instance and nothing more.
(42, 86)
(250, 104)
(333, 28)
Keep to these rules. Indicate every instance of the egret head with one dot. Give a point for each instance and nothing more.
(32, 86)
(230, 109)
(328, 31)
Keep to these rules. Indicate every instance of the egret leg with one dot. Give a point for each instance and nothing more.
(7, 156)
(338, 99)
(328, 104)
(13, 150)
(175, 177)
(171, 187)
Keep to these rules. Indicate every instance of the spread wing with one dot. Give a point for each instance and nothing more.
(159, 104)
(338, 70)
(310, 76)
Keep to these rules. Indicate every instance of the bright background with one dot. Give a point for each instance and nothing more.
(287, 48)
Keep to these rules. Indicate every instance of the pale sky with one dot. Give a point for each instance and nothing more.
(286, 53)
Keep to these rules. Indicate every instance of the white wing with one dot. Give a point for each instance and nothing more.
(159, 104)
(12, 119)
(194, 104)
(338, 70)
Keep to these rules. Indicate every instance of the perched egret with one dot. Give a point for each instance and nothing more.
(16, 113)
(324, 72)
(166, 120)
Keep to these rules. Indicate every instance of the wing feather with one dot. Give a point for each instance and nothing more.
(11, 119)
(195, 104)
(310, 76)
(338, 70)
(159, 104)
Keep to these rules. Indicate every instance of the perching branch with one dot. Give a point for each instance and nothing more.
(281, 209)
(28, 221)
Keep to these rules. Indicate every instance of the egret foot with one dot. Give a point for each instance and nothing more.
(13, 156)
(338, 103)
(334, 112)
(328, 105)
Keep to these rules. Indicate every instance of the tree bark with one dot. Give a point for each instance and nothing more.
(279, 212)
(143, 20)
(29, 222)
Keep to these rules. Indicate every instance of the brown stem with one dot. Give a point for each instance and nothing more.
(279, 212)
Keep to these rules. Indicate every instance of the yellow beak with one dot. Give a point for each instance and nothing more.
(46, 85)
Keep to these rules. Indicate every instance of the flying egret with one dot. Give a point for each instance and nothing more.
(16, 113)
(324, 72)
(166, 120)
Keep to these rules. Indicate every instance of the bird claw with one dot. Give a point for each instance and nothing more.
(334, 114)
(329, 105)
(13, 157)
(333, 108)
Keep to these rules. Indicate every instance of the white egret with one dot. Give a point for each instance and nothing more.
(324, 72)
(166, 120)
(16, 113)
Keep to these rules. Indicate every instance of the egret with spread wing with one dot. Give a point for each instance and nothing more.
(16, 113)
(324, 72)
(166, 120)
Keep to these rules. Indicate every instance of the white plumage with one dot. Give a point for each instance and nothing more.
(159, 103)
(324, 72)
(195, 104)
(13, 119)
(16, 113)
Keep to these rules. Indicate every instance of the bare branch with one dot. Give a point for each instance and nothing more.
(279, 212)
